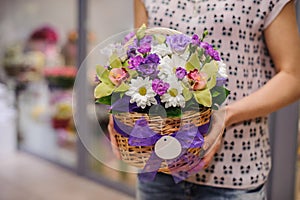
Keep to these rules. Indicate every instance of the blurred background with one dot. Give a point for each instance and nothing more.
(41, 157)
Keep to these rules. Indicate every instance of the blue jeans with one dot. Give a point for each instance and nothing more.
(164, 188)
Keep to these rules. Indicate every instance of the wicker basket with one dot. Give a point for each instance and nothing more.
(139, 155)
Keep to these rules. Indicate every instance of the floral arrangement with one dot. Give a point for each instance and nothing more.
(161, 87)
(61, 77)
(175, 71)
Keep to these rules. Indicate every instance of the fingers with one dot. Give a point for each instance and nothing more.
(208, 157)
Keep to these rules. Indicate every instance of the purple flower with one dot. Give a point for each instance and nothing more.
(97, 80)
(146, 48)
(178, 42)
(131, 52)
(205, 45)
(195, 40)
(221, 81)
(144, 41)
(152, 58)
(160, 87)
(180, 72)
(213, 53)
(134, 62)
(147, 69)
(128, 37)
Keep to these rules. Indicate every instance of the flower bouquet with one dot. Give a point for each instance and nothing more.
(162, 86)
(60, 77)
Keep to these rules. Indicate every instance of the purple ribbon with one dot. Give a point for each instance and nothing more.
(188, 135)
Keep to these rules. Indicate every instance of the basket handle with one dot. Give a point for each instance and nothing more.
(155, 30)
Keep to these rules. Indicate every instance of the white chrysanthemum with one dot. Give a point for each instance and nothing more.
(169, 65)
(222, 69)
(174, 96)
(161, 49)
(141, 92)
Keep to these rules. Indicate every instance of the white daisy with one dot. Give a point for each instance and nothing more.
(141, 92)
(169, 65)
(174, 96)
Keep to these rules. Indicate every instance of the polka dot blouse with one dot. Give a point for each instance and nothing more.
(236, 28)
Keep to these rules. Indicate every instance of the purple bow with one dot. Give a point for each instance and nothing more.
(188, 135)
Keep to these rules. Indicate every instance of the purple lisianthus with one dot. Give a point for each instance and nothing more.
(134, 62)
(180, 73)
(146, 48)
(160, 87)
(195, 40)
(147, 69)
(147, 40)
(178, 42)
(221, 81)
(152, 58)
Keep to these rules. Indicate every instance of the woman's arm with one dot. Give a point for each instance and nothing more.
(283, 41)
(140, 14)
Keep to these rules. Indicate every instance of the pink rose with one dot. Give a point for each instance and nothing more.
(117, 75)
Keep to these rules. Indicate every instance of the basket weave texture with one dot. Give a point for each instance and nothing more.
(138, 155)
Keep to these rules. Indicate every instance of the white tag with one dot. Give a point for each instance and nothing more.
(167, 147)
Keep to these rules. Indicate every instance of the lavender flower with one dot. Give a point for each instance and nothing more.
(178, 43)
(160, 87)
(148, 69)
(147, 40)
(180, 73)
(213, 53)
(221, 81)
(143, 49)
(134, 62)
(152, 58)
(204, 45)
(195, 40)
(131, 52)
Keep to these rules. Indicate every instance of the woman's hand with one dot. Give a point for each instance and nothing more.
(213, 141)
(112, 133)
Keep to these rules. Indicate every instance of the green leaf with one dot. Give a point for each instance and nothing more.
(219, 94)
(210, 69)
(141, 32)
(114, 61)
(103, 90)
(193, 62)
(215, 94)
(122, 88)
(203, 97)
(104, 100)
